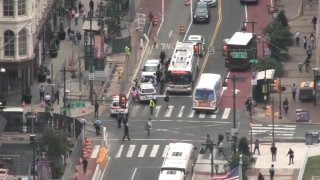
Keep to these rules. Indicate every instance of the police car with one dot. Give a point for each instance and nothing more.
(146, 92)
(115, 108)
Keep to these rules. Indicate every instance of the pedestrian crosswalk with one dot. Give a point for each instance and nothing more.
(140, 151)
(161, 111)
(281, 131)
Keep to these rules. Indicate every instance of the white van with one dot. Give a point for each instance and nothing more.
(178, 163)
(207, 94)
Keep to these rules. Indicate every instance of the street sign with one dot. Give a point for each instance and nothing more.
(254, 61)
(91, 76)
(239, 55)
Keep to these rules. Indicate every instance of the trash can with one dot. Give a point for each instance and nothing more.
(315, 137)
(308, 138)
(302, 115)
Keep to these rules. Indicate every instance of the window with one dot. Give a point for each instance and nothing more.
(21, 7)
(9, 43)
(8, 8)
(23, 42)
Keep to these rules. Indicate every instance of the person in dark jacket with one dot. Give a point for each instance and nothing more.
(286, 105)
(126, 133)
(291, 156)
(260, 176)
(96, 109)
(84, 165)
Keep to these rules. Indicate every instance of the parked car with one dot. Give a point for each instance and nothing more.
(201, 13)
(115, 108)
(146, 92)
(212, 3)
(149, 69)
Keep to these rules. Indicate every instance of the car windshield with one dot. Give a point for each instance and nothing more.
(201, 10)
(147, 91)
(180, 79)
(202, 94)
(115, 104)
(149, 69)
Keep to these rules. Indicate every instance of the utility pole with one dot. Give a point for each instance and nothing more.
(64, 96)
(234, 100)
(280, 100)
(91, 57)
(240, 167)
(252, 25)
(272, 115)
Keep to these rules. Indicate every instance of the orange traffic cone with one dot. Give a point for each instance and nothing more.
(23, 104)
(42, 104)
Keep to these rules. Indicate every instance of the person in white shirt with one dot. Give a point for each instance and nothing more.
(47, 98)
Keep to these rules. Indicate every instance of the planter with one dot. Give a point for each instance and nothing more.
(62, 35)
(42, 78)
(27, 98)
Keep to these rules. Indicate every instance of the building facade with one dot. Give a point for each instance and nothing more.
(26, 26)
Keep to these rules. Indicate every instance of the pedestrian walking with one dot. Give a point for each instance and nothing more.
(41, 92)
(271, 171)
(119, 119)
(96, 109)
(304, 41)
(167, 99)
(84, 165)
(76, 17)
(91, 5)
(208, 143)
(220, 149)
(273, 150)
(248, 104)
(309, 53)
(134, 94)
(57, 96)
(294, 91)
(83, 122)
(158, 76)
(256, 146)
(47, 99)
(260, 176)
(314, 22)
(286, 105)
(125, 119)
(97, 126)
(291, 156)
(313, 41)
(151, 106)
(297, 37)
(162, 57)
(126, 133)
(162, 83)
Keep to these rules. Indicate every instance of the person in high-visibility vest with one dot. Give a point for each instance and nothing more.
(151, 105)
(127, 51)
(120, 74)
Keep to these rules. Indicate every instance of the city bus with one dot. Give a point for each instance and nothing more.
(239, 49)
(207, 93)
(178, 163)
(183, 68)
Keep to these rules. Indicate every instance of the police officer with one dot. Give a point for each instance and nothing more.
(151, 105)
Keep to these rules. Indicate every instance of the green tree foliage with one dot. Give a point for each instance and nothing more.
(270, 63)
(243, 146)
(282, 18)
(57, 144)
(280, 39)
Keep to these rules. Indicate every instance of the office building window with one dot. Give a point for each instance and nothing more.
(23, 42)
(8, 8)
(9, 43)
(21, 7)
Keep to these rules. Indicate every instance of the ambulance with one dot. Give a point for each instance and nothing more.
(306, 91)
(115, 108)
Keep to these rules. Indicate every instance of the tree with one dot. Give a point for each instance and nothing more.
(280, 39)
(270, 63)
(243, 146)
(57, 144)
(282, 18)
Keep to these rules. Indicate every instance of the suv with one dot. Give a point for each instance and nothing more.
(149, 69)
(146, 92)
(115, 108)
(201, 13)
(198, 39)
(212, 3)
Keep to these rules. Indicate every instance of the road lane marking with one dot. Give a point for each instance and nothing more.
(95, 151)
(165, 151)
(157, 110)
(130, 151)
(181, 111)
(191, 114)
(119, 152)
(213, 116)
(170, 33)
(191, 21)
(202, 115)
(168, 111)
(154, 151)
(142, 150)
(226, 113)
(134, 173)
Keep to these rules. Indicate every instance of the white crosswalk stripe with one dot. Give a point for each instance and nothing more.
(142, 150)
(131, 150)
(280, 131)
(182, 111)
(154, 151)
(148, 151)
(165, 151)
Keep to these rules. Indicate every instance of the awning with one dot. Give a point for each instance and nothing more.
(95, 27)
(268, 74)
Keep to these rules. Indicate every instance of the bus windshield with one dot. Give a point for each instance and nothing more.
(180, 79)
(203, 94)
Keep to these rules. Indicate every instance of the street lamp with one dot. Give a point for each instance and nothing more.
(203, 150)
(233, 78)
(234, 135)
(2, 71)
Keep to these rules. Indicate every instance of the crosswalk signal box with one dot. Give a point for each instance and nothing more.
(123, 101)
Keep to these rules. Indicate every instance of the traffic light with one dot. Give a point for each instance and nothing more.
(196, 49)
(275, 85)
(225, 50)
(123, 101)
